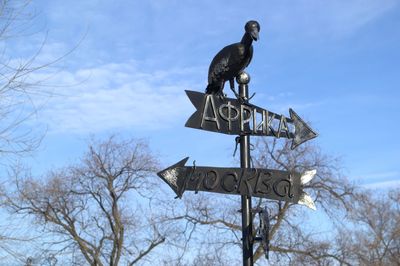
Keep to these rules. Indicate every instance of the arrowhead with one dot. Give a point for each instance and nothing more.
(174, 176)
(302, 131)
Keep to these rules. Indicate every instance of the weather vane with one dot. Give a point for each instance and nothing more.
(217, 113)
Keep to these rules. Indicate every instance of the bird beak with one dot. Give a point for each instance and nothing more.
(254, 35)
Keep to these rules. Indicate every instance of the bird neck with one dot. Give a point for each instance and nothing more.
(246, 40)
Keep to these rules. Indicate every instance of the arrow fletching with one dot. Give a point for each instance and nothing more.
(307, 176)
(307, 201)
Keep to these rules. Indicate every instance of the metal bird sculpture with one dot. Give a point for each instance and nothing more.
(232, 60)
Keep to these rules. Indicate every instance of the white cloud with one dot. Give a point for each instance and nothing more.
(389, 174)
(281, 102)
(325, 18)
(164, 23)
(380, 180)
(116, 96)
(383, 185)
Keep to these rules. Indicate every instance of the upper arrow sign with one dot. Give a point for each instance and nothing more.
(263, 183)
(230, 116)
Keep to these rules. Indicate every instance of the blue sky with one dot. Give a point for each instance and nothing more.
(336, 63)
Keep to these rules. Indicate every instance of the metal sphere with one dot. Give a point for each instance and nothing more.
(243, 78)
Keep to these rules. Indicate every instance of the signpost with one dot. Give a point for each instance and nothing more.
(238, 117)
(216, 113)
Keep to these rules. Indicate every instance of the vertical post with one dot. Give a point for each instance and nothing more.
(247, 221)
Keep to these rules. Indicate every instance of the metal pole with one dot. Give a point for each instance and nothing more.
(247, 225)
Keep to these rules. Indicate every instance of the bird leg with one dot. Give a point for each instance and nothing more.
(232, 85)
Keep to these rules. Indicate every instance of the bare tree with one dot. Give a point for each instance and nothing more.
(217, 219)
(97, 209)
(333, 195)
(19, 82)
(372, 233)
(106, 210)
(18, 87)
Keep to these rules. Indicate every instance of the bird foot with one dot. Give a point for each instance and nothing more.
(221, 96)
(244, 99)
(240, 98)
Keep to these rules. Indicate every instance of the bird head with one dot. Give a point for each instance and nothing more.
(253, 28)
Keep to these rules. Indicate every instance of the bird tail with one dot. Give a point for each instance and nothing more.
(208, 89)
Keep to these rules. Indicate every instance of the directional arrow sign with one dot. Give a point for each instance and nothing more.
(263, 183)
(230, 116)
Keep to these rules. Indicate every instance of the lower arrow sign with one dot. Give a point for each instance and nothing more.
(263, 183)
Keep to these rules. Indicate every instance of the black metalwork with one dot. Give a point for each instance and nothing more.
(263, 229)
(238, 117)
(245, 181)
(217, 113)
(232, 60)
(247, 220)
